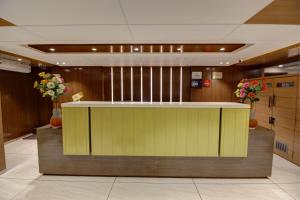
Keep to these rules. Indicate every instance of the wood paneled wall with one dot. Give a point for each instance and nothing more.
(2, 155)
(22, 108)
(220, 90)
(95, 83)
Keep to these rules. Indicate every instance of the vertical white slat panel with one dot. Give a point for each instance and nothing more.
(151, 78)
(160, 78)
(112, 76)
(112, 83)
(151, 84)
(131, 84)
(122, 77)
(160, 84)
(122, 85)
(142, 97)
(171, 78)
(171, 84)
(180, 84)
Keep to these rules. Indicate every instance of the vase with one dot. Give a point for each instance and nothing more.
(252, 120)
(55, 120)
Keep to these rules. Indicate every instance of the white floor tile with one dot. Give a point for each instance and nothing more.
(11, 187)
(62, 190)
(280, 175)
(284, 171)
(20, 146)
(233, 180)
(100, 179)
(23, 181)
(242, 192)
(150, 191)
(21, 167)
(152, 180)
(293, 189)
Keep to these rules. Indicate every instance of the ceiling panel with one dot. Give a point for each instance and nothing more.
(180, 33)
(16, 34)
(72, 60)
(262, 48)
(82, 33)
(191, 11)
(61, 12)
(186, 59)
(255, 33)
(116, 60)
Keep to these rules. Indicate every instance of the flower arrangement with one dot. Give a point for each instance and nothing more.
(248, 90)
(51, 85)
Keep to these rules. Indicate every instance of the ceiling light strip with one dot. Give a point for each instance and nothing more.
(112, 83)
(122, 85)
(131, 83)
(160, 85)
(180, 92)
(171, 84)
(142, 84)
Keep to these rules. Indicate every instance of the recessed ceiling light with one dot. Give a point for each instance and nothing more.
(178, 49)
(227, 63)
(63, 63)
(52, 49)
(94, 49)
(20, 59)
(57, 63)
(221, 63)
(280, 66)
(222, 49)
(136, 49)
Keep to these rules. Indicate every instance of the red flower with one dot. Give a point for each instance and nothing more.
(251, 95)
(254, 83)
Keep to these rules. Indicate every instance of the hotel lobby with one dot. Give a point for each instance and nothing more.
(150, 100)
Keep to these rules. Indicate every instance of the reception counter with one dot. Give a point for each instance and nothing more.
(167, 140)
(155, 129)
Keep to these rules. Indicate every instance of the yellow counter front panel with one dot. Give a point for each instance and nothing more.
(135, 131)
(76, 138)
(234, 132)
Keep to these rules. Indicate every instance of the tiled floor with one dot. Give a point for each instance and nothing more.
(22, 180)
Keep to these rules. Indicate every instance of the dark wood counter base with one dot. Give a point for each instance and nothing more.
(257, 164)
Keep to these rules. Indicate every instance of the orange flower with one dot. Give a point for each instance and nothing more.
(44, 81)
(251, 95)
(254, 83)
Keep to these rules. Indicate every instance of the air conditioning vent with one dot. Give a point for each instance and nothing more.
(281, 146)
(11, 65)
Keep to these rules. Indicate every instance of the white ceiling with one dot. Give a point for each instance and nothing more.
(140, 21)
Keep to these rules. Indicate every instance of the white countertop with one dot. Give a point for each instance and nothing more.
(156, 104)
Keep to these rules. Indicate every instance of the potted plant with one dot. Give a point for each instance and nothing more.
(53, 86)
(248, 91)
